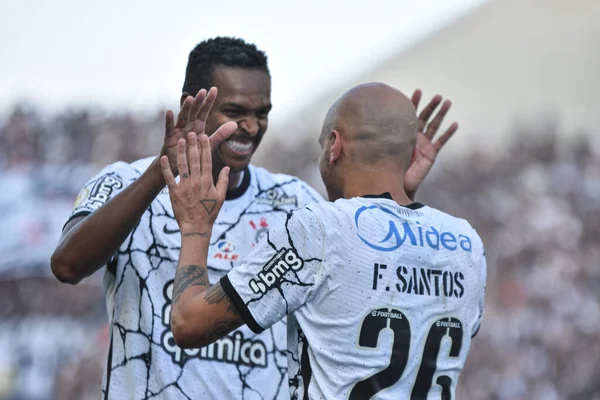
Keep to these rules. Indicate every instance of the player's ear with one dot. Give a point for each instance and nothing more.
(336, 147)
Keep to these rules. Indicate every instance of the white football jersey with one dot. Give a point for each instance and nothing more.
(143, 361)
(383, 300)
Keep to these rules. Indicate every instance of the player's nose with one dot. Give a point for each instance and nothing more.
(249, 126)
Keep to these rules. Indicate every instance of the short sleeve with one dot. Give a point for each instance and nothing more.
(102, 187)
(281, 273)
(482, 264)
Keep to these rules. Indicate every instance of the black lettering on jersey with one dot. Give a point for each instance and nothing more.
(430, 282)
(232, 349)
(400, 272)
(458, 277)
(282, 262)
(276, 199)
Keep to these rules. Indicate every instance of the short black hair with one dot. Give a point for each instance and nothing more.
(229, 51)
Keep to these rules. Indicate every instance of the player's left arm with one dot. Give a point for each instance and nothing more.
(426, 150)
(200, 313)
(278, 277)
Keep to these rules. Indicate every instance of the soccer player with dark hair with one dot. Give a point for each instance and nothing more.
(123, 222)
(382, 294)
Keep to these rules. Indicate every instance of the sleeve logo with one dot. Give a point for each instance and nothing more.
(282, 262)
(81, 197)
(100, 193)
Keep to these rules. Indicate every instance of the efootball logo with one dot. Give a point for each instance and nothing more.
(284, 261)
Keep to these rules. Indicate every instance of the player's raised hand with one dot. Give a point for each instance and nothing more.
(196, 200)
(426, 149)
(192, 118)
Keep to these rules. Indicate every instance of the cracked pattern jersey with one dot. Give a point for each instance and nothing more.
(143, 360)
(383, 300)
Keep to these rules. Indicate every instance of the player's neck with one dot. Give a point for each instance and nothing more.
(235, 180)
(361, 184)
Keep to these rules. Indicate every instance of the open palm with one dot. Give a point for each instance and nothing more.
(426, 150)
(196, 199)
(192, 118)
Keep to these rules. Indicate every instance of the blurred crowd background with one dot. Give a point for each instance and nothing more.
(536, 205)
(524, 167)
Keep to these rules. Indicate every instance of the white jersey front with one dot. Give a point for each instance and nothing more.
(383, 300)
(144, 362)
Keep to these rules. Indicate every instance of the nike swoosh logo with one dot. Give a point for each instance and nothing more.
(170, 231)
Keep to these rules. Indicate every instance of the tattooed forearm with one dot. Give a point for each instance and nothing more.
(216, 295)
(222, 328)
(201, 234)
(190, 275)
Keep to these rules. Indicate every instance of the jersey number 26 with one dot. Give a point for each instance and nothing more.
(383, 318)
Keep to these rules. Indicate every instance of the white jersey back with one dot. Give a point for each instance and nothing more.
(144, 362)
(383, 299)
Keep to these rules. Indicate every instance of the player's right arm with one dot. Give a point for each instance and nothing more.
(90, 238)
(89, 241)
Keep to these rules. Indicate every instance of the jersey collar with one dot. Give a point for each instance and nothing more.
(240, 190)
(387, 195)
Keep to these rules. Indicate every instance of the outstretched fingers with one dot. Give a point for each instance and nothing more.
(435, 124)
(184, 114)
(207, 104)
(193, 156)
(221, 134)
(182, 164)
(169, 124)
(427, 111)
(446, 136)
(167, 173)
(223, 182)
(206, 162)
(197, 104)
(416, 98)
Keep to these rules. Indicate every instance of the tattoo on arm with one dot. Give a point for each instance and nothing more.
(190, 275)
(201, 234)
(222, 328)
(216, 295)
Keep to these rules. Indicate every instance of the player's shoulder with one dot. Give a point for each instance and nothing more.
(341, 210)
(135, 168)
(457, 223)
(328, 216)
(141, 165)
(449, 218)
(293, 186)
